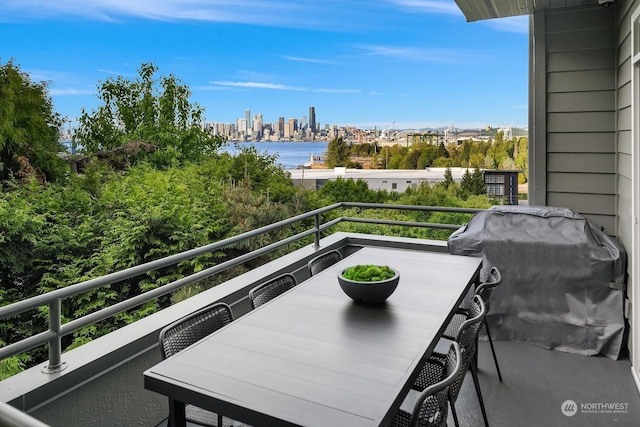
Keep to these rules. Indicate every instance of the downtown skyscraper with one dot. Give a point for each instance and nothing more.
(312, 119)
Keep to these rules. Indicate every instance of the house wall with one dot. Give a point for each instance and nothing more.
(624, 10)
(574, 156)
(624, 118)
(581, 105)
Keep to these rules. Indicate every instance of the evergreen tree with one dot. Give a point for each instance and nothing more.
(466, 185)
(338, 152)
(448, 178)
(478, 187)
(442, 151)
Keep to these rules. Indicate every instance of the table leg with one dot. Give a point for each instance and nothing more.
(177, 415)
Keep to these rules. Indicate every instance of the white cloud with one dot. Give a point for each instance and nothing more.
(70, 92)
(513, 24)
(44, 75)
(430, 6)
(277, 86)
(312, 60)
(337, 90)
(115, 73)
(258, 85)
(240, 11)
(418, 54)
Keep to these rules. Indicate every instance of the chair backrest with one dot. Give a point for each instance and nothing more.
(193, 327)
(492, 281)
(467, 337)
(323, 261)
(267, 291)
(431, 407)
(470, 328)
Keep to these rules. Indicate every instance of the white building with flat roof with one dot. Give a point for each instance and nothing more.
(377, 179)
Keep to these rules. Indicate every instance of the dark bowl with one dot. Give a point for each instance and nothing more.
(369, 292)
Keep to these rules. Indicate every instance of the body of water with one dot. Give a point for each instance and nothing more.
(290, 154)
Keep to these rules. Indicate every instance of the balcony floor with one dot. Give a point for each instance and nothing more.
(537, 381)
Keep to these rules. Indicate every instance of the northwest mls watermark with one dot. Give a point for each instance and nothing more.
(570, 408)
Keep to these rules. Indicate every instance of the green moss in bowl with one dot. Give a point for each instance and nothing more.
(369, 284)
(368, 273)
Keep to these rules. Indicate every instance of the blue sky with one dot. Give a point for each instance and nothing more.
(362, 63)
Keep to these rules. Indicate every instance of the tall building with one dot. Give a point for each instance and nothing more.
(242, 126)
(312, 119)
(257, 126)
(281, 126)
(293, 125)
(247, 116)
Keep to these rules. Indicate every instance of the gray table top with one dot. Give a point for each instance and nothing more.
(313, 357)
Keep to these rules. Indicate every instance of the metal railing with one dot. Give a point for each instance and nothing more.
(53, 299)
(12, 417)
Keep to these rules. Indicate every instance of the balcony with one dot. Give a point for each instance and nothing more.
(101, 382)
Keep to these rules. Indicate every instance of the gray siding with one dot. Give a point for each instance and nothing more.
(576, 57)
(624, 9)
(624, 206)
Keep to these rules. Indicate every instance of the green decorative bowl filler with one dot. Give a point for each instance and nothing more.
(368, 273)
(368, 283)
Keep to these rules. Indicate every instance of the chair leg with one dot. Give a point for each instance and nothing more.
(493, 351)
(474, 373)
(453, 410)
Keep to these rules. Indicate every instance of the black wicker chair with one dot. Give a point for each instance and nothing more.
(189, 330)
(466, 337)
(323, 261)
(431, 406)
(266, 291)
(493, 280)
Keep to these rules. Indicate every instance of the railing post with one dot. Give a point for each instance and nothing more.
(316, 243)
(55, 345)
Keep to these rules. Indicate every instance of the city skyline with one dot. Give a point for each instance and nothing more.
(363, 64)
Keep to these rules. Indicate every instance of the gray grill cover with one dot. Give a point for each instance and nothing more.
(563, 279)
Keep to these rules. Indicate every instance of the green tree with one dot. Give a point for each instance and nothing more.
(442, 151)
(465, 184)
(478, 187)
(29, 129)
(153, 111)
(349, 190)
(101, 221)
(521, 155)
(338, 152)
(448, 178)
(257, 171)
(465, 153)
